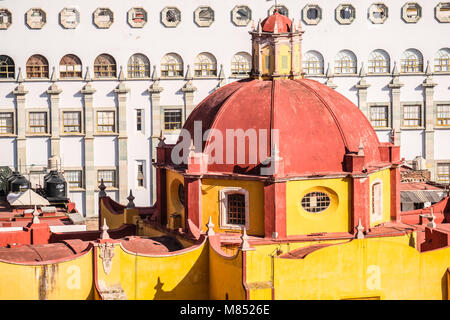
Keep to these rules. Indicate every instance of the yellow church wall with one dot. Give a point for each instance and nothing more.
(113, 220)
(375, 268)
(225, 276)
(267, 53)
(174, 206)
(284, 59)
(336, 218)
(210, 203)
(383, 176)
(68, 280)
(170, 277)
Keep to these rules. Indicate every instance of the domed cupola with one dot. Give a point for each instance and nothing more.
(276, 43)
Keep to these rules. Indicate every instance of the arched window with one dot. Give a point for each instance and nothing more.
(138, 66)
(37, 67)
(412, 61)
(205, 65)
(105, 66)
(313, 63)
(442, 60)
(376, 208)
(172, 65)
(7, 68)
(379, 62)
(241, 64)
(345, 62)
(70, 67)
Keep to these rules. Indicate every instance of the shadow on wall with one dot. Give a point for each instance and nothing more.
(444, 285)
(193, 286)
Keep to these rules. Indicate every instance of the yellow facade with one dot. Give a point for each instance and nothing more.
(337, 218)
(67, 280)
(267, 60)
(210, 203)
(175, 209)
(383, 177)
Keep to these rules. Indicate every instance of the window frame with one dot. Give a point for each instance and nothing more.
(344, 20)
(75, 74)
(377, 56)
(80, 182)
(9, 68)
(114, 181)
(419, 104)
(97, 111)
(13, 127)
(138, 69)
(438, 174)
(351, 60)
(445, 119)
(388, 118)
(440, 64)
(205, 62)
(43, 70)
(413, 60)
(140, 117)
(46, 126)
(223, 208)
(142, 178)
(111, 68)
(63, 112)
(242, 62)
(317, 64)
(163, 117)
(174, 64)
(376, 216)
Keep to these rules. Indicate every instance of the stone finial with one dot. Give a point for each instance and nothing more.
(121, 74)
(275, 29)
(431, 218)
(155, 75)
(87, 76)
(102, 187)
(210, 226)
(360, 148)
(428, 69)
(35, 216)
(395, 70)
(330, 76)
(360, 230)
(130, 200)
(161, 139)
(253, 25)
(245, 246)
(188, 87)
(19, 76)
(54, 77)
(300, 27)
(259, 26)
(428, 82)
(362, 71)
(105, 228)
(192, 150)
(221, 77)
(188, 73)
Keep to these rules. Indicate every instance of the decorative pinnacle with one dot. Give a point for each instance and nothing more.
(362, 72)
(19, 76)
(161, 139)
(329, 71)
(259, 30)
(35, 216)
(360, 229)
(431, 217)
(130, 200)
(192, 149)
(102, 188)
(105, 228)
(245, 246)
(360, 148)
(275, 29)
(53, 78)
(395, 70)
(210, 227)
(121, 75)
(155, 75)
(188, 73)
(428, 69)
(87, 76)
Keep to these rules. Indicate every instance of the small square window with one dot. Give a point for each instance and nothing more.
(412, 116)
(105, 121)
(141, 173)
(37, 122)
(108, 176)
(139, 113)
(74, 178)
(443, 172)
(443, 114)
(379, 116)
(6, 123)
(72, 122)
(172, 119)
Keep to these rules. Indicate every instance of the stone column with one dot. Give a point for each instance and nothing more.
(20, 93)
(360, 202)
(53, 93)
(193, 202)
(89, 170)
(395, 86)
(362, 92)
(155, 97)
(428, 86)
(122, 92)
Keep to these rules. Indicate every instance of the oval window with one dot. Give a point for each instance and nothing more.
(316, 202)
(181, 194)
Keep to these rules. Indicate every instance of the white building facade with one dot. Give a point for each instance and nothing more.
(93, 83)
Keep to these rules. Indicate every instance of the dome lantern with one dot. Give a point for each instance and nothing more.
(277, 48)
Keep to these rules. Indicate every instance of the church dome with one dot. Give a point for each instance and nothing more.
(283, 23)
(317, 126)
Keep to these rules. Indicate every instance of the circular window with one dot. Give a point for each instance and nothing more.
(316, 202)
(181, 194)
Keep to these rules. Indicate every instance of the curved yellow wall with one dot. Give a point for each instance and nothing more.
(173, 180)
(210, 203)
(70, 280)
(334, 219)
(267, 53)
(371, 268)
(385, 177)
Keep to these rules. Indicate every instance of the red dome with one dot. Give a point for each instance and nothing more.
(317, 125)
(284, 24)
